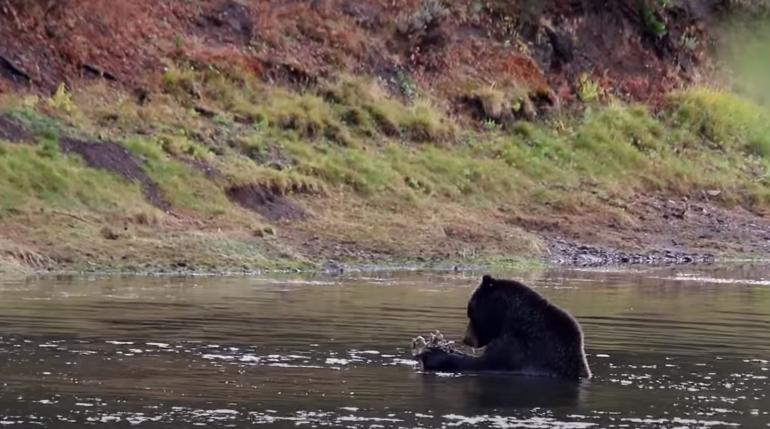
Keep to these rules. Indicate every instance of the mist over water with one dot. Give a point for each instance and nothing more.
(668, 348)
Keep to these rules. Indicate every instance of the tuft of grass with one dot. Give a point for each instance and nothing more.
(497, 103)
(420, 121)
(181, 82)
(182, 147)
(493, 101)
(307, 114)
(102, 107)
(425, 123)
(62, 100)
(588, 90)
(240, 170)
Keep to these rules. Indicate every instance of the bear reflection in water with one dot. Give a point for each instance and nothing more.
(482, 391)
(521, 332)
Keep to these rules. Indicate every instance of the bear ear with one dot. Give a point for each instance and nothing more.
(487, 280)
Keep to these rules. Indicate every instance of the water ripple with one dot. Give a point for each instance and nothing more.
(667, 350)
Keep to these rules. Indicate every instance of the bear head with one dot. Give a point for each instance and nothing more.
(487, 311)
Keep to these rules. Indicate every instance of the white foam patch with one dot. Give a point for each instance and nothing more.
(513, 422)
(250, 358)
(218, 357)
(139, 419)
(290, 365)
(681, 421)
(366, 419)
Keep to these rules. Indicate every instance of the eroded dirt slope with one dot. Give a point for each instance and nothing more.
(631, 49)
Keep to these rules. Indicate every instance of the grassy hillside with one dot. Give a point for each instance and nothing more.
(346, 173)
(238, 141)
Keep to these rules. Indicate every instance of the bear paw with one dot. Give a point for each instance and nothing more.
(419, 345)
(435, 341)
(437, 338)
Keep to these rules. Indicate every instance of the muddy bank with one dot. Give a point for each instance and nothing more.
(655, 229)
(661, 232)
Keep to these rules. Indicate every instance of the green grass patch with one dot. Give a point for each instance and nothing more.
(367, 107)
(350, 134)
(699, 142)
(181, 185)
(723, 121)
(346, 110)
(40, 176)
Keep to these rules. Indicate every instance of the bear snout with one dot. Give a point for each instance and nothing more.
(470, 338)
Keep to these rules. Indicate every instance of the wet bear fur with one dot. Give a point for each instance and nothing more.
(521, 331)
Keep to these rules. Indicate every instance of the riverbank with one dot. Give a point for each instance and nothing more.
(609, 184)
(233, 137)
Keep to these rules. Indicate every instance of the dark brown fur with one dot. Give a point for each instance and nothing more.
(522, 332)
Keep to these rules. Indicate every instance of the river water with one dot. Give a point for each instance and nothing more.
(676, 347)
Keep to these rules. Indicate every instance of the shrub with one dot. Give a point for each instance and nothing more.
(588, 90)
(61, 100)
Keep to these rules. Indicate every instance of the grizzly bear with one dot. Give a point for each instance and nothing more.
(521, 332)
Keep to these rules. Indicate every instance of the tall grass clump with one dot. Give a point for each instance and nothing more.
(723, 121)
